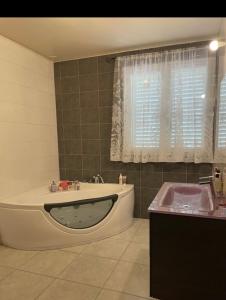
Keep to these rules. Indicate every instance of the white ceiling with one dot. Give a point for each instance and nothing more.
(71, 38)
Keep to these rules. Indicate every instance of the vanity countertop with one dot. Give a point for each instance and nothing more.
(157, 205)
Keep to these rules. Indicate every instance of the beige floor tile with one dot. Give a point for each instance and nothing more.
(76, 249)
(138, 220)
(128, 234)
(131, 278)
(65, 290)
(144, 224)
(110, 248)
(137, 252)
(13, 257)
(141, 221)
(142, 234)
(4, 271)
(50, 262)
(112, 295)
(89, 270)
(23, 286)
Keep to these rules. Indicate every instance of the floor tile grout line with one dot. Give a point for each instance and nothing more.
(77, 255)
(78, 282)
(117, 263)
(61, 272)
(35, 273)
(119, 260)
(126, 293)
(22, 263)
(46, 288)
(8, 275)
(20, 268)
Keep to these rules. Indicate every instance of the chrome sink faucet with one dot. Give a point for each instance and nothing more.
(209, 180)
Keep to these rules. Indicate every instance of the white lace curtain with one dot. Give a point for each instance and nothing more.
(220, 133)
(163, 107)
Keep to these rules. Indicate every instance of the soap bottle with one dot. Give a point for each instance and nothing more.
(120, 179)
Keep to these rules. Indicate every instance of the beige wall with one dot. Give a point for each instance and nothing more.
(223, 29)
(28, 133)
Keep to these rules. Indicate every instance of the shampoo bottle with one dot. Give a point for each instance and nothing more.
(53, 186)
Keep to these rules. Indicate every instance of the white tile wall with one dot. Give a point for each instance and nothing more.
(28, 131)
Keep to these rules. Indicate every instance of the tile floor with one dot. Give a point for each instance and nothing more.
(116, 268)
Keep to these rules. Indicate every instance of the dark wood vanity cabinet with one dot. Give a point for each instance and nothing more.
(187, 257)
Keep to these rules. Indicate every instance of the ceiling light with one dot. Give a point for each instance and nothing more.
(214, 45)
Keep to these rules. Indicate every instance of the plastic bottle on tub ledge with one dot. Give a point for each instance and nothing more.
(120, 179)
(53, 187)
(77, 185)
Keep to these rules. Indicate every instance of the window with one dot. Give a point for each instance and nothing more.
(188, 87)
(186, 84)
(146, 109)
(163, 107)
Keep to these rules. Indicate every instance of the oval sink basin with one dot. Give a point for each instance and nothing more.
(187, 196)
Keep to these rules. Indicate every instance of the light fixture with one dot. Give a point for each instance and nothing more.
(214, 45)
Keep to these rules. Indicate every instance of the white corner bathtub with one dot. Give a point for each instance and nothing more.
(38, 219)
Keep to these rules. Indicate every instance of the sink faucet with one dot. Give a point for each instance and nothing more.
(209, 180)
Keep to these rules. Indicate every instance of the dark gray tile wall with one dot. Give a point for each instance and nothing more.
(84, 110)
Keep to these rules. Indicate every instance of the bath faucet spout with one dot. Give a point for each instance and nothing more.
(101, 180)
(98, 179)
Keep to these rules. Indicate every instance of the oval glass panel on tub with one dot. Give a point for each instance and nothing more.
(81, 214)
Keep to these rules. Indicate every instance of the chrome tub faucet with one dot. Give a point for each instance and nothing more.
(98, 179)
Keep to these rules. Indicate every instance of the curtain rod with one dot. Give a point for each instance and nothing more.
(155, 49)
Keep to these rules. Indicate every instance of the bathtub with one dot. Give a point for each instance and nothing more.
(39, 219)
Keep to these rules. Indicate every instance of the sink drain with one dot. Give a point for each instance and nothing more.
(186, 206)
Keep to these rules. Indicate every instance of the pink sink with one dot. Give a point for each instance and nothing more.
(186, 197)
